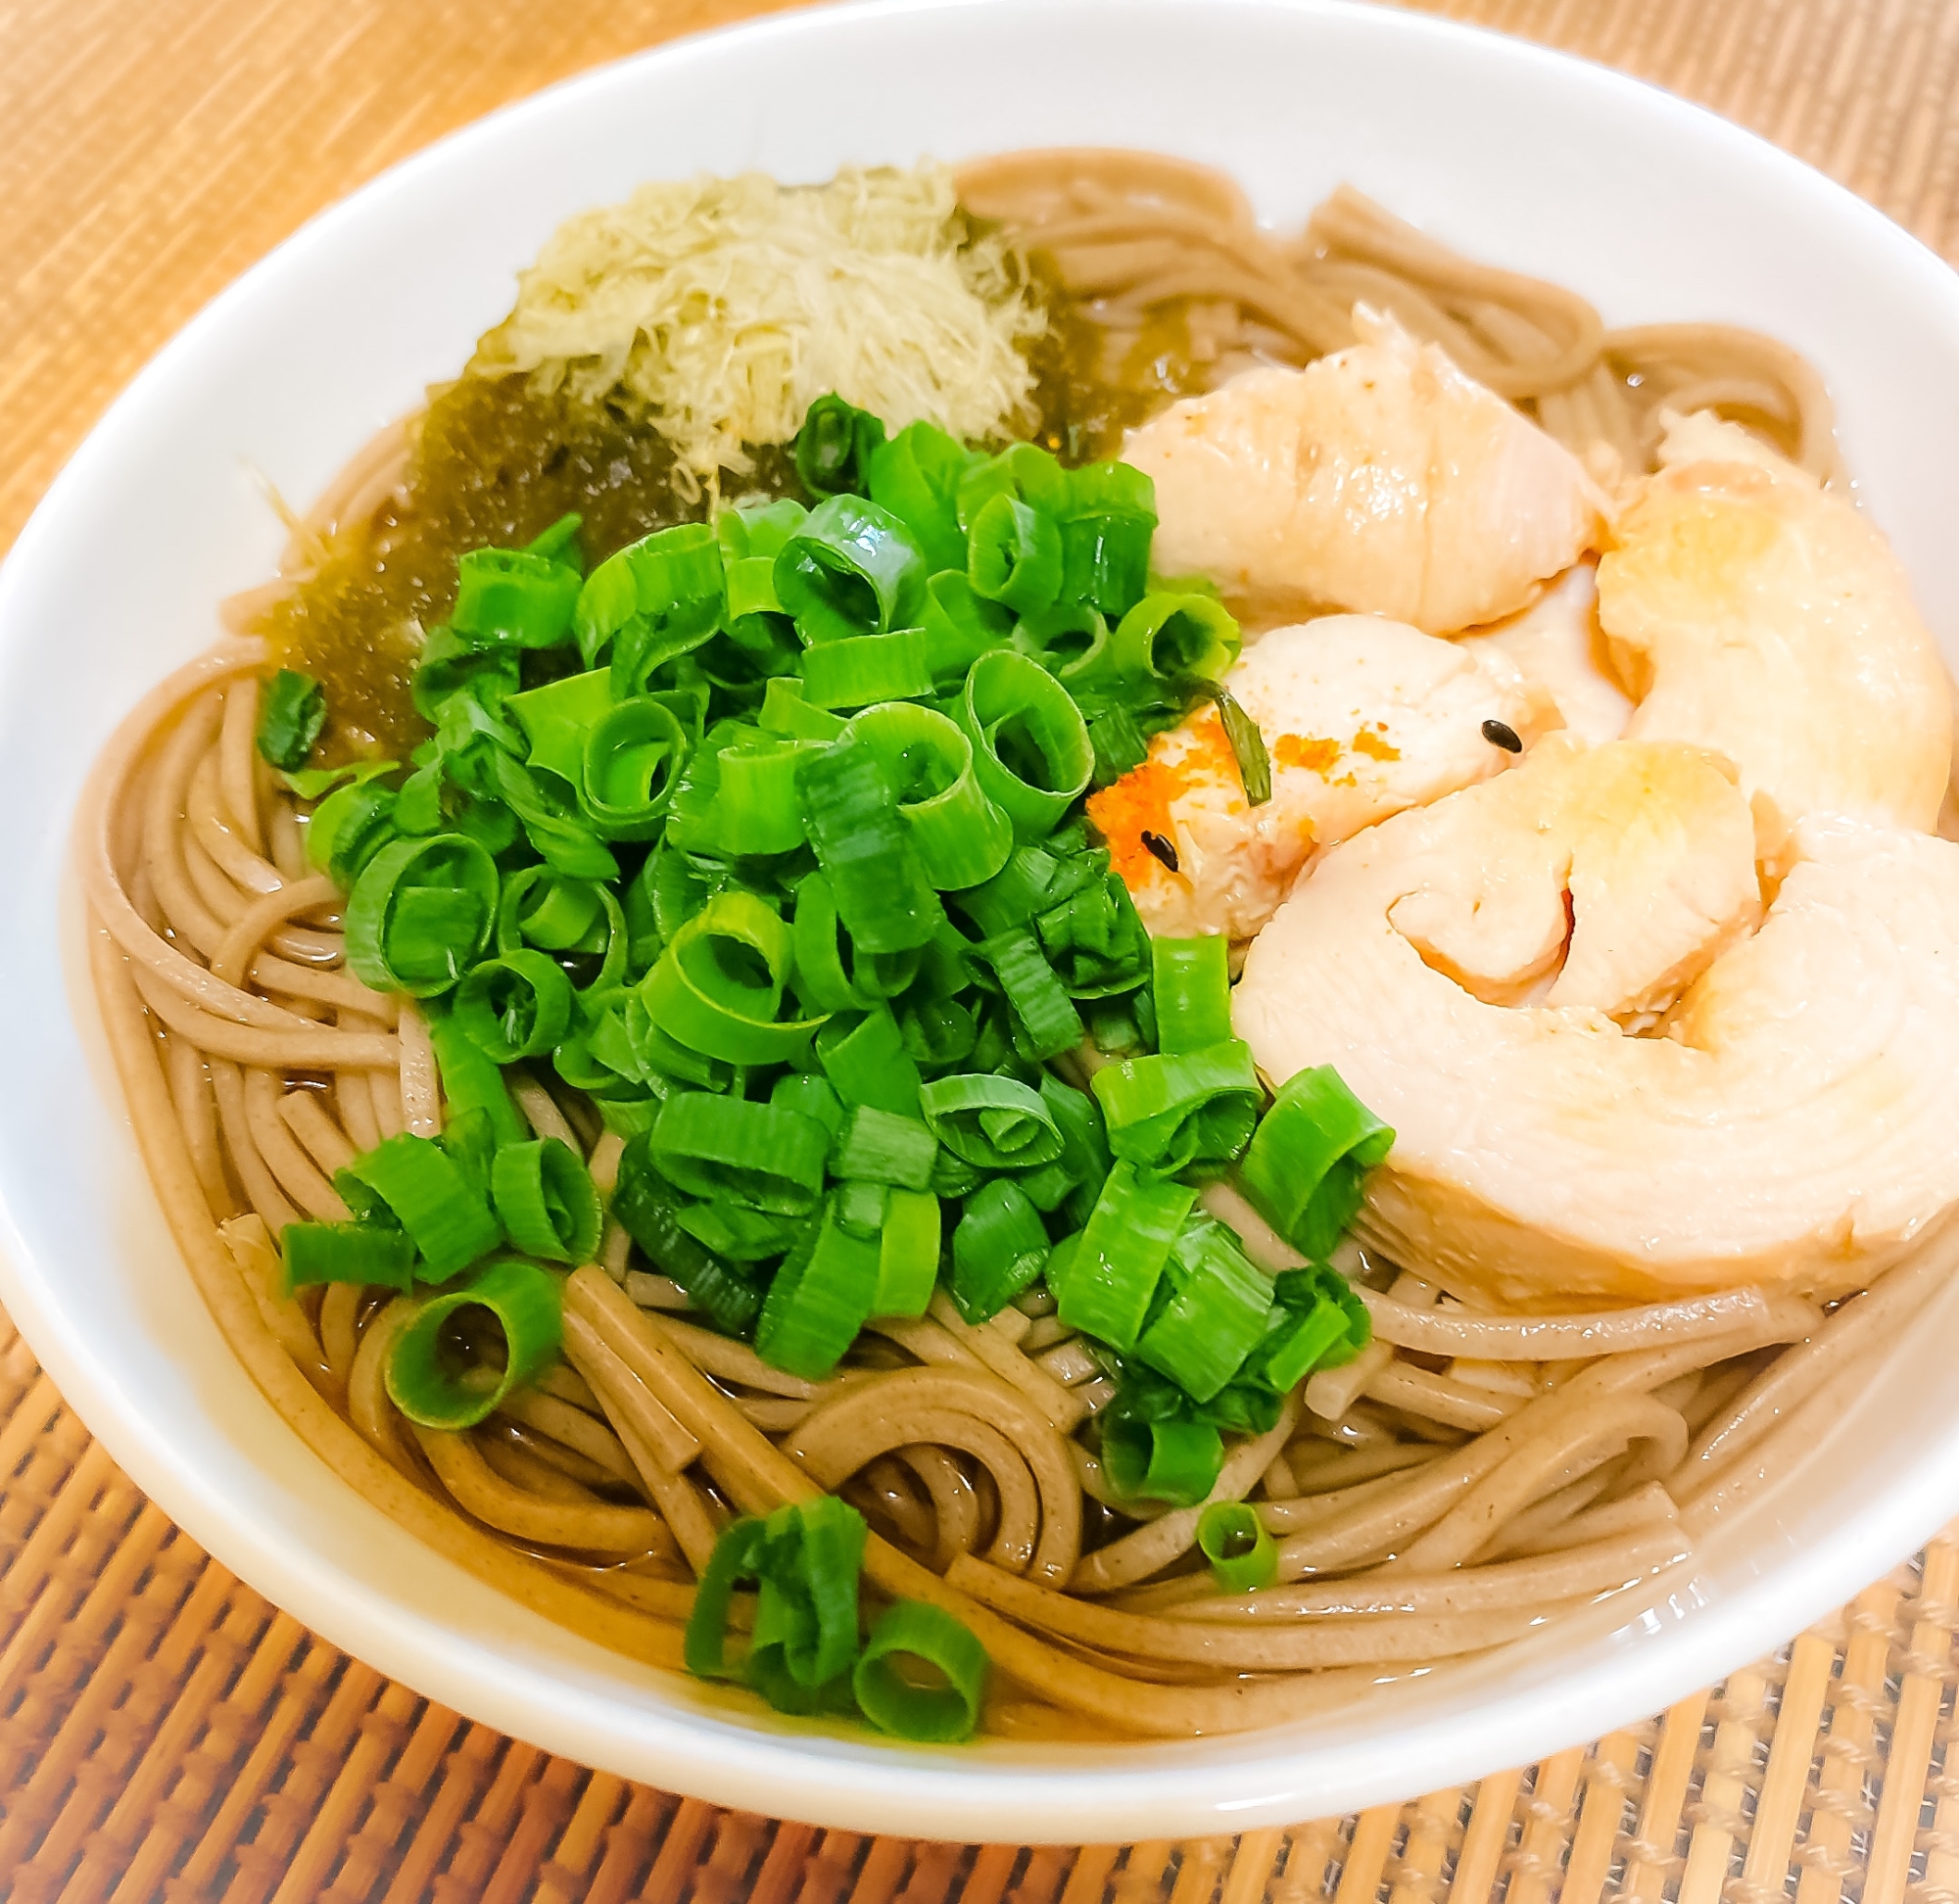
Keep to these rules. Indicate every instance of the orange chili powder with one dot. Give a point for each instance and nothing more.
(1371, 742)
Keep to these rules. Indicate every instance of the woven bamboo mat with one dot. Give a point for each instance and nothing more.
(165, 1734)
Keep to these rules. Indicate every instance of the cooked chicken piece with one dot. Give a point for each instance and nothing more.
(1360, 718)
(1757, 614)
(1790, 1123)
(1559, 648)
(1379, 479)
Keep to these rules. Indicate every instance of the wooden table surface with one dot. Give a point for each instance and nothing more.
(167, 1735)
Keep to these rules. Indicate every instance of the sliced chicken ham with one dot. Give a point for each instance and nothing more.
(1379, 479)
(1788, 1121)
(1360, 718)
(1756, 613)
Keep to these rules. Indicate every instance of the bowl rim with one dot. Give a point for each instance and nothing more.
(1045, 1806)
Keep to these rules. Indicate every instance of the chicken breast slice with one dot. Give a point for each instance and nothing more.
(1792, 1121)
(1379, 479)
(1559, 648)
(1755, 614)
(1360, 716)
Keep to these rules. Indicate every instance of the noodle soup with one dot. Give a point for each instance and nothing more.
(678, 985)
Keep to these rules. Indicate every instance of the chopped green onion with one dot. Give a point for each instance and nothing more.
(558, 718)
(654, 600)
(735, 1231)
(291, 714)
(718, 988)
(880, 1148)
(822, 979)
(837, 447)
(1296, 1344)
(1309, 1158)
(821, 1296)
(631, 765)
(1106, 536)
(921, 1675)
(542, 907)
(960, 625)
(1030, 749)
(421, 913)
(996, 1123)
(1172, 638)
(999, 1245)
(1113, 1270)
(1193, 991)
(516, 1006)
(757, 1154)
(1120, 745)
(1085, 1143)
(1243, 1556)
(1045, 1021)
(916, 476)
(850, 568)
(1248, 745)
(735, 1561)
(1174, 1459)
(908, 1253)
(961, 837)
(865, 849)
(866, 1060)
(422, 1377)
(856, 670)
(348, 1252)
(1176, 1108)
(1216, 1315)
(787, 712)
(312, 783)
(546, 1200)
(561, 541)
(513, 597)
(648, 1209)
(758, 809)
(349, 827)
(860, 1209)
(1013, 555)
(472, 1080)
(810, 1096)
(429, 1196)
(551, 822)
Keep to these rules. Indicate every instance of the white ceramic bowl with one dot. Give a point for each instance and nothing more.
(1653, 209)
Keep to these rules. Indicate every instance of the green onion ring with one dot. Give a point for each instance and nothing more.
(516, 1006)
(1010, 699)
(894, 1700)
(421, 913)
(524, 1301)
(962, 838)
(703, 991)
(546, 1200)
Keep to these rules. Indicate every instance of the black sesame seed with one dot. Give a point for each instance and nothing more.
(1161, 849)
(1500, 733)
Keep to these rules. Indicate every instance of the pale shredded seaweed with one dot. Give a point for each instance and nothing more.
(722, 308)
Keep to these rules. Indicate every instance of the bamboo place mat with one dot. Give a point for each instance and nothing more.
(165, 1734)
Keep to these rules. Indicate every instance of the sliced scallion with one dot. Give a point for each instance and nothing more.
(1243, 1556)
(422, 1378)
(1310, 1157)
(546, 1200)
(921, 1675)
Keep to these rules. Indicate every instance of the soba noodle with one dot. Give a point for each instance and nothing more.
(1469, 1477)
(1171, 264)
